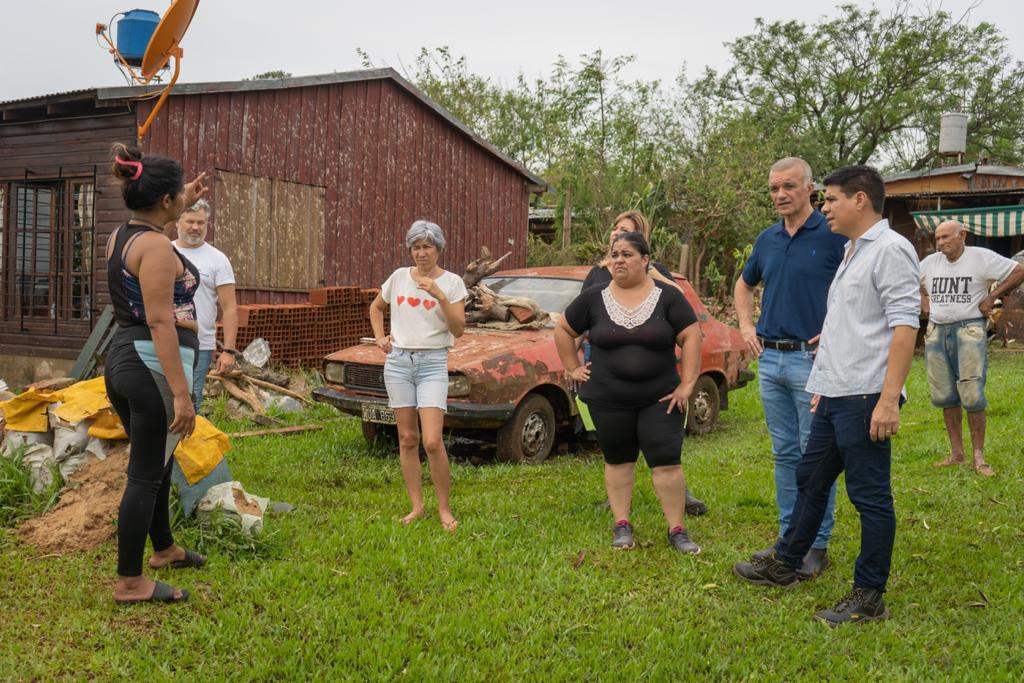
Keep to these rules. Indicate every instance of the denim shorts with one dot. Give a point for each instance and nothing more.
(417, 379)
(957, 357)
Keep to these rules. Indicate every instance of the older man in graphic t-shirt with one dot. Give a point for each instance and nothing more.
(957, 294)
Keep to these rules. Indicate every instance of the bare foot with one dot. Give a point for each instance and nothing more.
(448, 520)
(984, 469)
(140, 589)
(950, 460)
(163, 558)
(412, 517)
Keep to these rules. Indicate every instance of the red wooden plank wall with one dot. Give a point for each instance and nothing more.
(384, 158)
(71, 147)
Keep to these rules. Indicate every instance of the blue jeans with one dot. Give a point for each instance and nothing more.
(957, 359)
(787, 410)
(204, 359)
(840, 441)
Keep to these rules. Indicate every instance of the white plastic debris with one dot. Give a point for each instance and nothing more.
(233, 501)
(40, 463)
(14, 439)
(257, 352)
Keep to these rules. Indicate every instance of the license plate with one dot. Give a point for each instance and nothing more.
(379, 413)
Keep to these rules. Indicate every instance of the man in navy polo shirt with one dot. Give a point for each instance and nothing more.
(795, 259)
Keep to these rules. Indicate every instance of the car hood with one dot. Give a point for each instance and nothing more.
(474, 347)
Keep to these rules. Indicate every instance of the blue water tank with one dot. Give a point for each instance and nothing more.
(134, 30)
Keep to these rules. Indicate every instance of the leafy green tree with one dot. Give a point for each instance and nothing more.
(866, 87)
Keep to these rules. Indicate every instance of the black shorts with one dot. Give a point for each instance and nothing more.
(623, 432)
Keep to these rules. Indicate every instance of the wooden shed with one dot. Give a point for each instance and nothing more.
(951, 188)
(314, 182)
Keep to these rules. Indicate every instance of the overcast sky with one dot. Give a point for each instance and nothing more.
(49, 46)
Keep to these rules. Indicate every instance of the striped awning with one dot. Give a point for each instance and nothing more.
(989, 221)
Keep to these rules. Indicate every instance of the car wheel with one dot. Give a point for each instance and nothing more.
(378, 434)
(705, 403)
(530, 434)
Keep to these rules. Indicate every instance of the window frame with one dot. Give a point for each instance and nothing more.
(70, 243)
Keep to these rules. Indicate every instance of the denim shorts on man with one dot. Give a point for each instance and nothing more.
(417, 379)
(957, 359)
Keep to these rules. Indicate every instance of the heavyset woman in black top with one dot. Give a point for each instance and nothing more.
(148, 371)
(631, 385)
(634, 221)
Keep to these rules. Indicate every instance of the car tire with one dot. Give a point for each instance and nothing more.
(382, 435)
(529, 435)
(704, 406)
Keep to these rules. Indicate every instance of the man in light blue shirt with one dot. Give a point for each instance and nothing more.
(867, 344)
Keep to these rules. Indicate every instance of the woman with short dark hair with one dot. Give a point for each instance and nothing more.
(148, 370)
(631, 385)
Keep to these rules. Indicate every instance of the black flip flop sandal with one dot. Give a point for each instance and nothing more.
(162, 592)
(192, 560)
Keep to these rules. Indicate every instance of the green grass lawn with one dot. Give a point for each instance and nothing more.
(529, 589)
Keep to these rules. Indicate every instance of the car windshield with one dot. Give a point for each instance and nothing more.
(551, 294)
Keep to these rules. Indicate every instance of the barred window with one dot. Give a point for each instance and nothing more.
(47, 249)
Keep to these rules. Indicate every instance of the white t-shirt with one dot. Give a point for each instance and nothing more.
(956, 290)
(417, 321)
(214, 270)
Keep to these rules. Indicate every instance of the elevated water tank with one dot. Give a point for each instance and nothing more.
(134, 30)
(953, 134)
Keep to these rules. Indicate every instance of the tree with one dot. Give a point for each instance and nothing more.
(862, 87)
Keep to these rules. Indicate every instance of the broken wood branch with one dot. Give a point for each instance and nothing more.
(282, 430)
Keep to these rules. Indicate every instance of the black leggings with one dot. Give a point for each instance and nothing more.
(145, 405)
(623, 432)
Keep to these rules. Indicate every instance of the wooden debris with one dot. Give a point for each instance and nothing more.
(483, 305)
(245, 397)
(277, 388)
(281, 430)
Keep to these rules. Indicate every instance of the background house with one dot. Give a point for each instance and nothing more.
(314, 181)
(917, 201)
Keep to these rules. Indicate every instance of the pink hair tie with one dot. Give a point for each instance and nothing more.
(136, 164)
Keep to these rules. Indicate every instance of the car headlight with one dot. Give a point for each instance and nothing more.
(458, 385)
(334, 372)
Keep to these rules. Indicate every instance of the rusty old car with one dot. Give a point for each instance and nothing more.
(508, 387)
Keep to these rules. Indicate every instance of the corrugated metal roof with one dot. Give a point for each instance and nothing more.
(84, 93)
(984, 169)
(125, 93)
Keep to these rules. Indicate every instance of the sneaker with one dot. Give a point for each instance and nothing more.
(622, 535)
(859, 605)
(680, 540)
(815, 563)
(694, 507)
(766, 571)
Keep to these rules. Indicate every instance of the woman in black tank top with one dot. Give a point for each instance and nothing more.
(149, 363)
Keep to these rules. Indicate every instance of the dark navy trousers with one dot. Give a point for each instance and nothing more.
(840, 442)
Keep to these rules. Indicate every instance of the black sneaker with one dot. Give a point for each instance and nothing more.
(694, 507)
(766, 571)
(815, 563)
(622, 536)
(859, 605)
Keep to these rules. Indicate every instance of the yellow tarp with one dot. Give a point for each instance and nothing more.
(107, 425)
(202, 451)
(26, 412)
(82, 400)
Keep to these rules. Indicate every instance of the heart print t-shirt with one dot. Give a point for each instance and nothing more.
(417, 321)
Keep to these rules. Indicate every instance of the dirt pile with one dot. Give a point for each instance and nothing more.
(86, 515)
